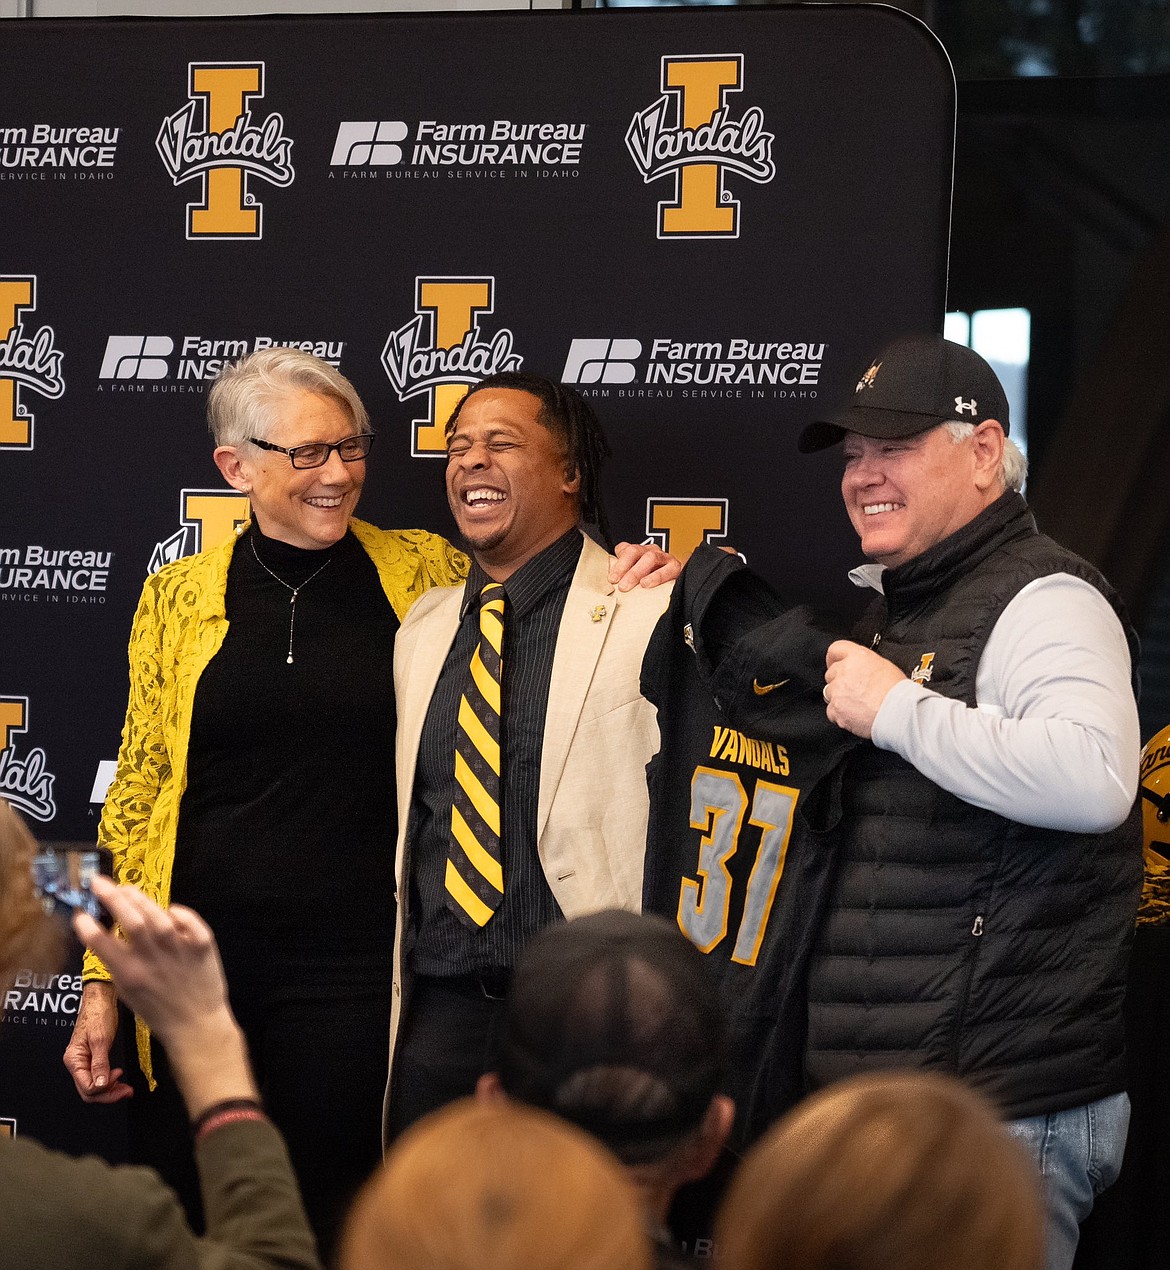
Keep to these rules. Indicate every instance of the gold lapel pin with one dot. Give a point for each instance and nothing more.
(597, 614)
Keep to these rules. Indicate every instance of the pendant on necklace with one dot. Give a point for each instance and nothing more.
(293, 593)
(292, 619)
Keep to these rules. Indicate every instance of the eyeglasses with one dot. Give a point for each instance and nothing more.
(316, 453)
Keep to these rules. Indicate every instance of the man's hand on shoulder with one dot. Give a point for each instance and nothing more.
(642, 564)
(856, 682)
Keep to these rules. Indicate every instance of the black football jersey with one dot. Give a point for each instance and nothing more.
(743, 802)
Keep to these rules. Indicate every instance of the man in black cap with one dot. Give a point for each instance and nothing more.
(613, 1023)
(990, 860)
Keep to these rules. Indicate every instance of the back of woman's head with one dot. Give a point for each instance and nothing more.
(28, 939)
(899, 1171)
(496, 1186)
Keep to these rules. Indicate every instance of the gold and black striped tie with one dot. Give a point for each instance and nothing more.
(475, 874)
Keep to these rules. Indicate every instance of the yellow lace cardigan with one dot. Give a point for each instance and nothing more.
(178, 628)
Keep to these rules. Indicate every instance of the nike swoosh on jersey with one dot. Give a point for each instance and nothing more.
(762, 690)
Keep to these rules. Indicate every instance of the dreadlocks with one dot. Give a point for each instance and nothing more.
(570, 418)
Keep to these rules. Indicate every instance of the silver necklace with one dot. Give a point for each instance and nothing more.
(294, 590)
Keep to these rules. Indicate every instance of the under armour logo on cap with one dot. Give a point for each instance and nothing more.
(913, 384)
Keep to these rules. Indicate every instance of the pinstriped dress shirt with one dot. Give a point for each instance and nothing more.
(440, 944)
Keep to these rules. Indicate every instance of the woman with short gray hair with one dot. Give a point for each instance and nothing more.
(255, 781)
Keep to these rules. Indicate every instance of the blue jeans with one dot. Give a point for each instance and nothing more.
(1079, 1153)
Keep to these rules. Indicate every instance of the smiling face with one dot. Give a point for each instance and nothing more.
(506, 480)
(305, 507)
(904, 495)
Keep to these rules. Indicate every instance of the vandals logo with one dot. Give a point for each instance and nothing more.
(24, 782)
(214, 138)
(26, 361)
(679, 525)
(443, 350)
(207, 518)
(924, 671)
(689, 133)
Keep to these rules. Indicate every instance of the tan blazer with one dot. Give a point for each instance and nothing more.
(600, 732)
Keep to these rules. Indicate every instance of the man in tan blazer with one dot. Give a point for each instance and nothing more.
(483, 865)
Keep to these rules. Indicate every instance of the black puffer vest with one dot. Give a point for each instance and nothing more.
(957, 939)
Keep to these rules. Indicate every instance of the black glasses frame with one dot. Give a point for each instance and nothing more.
(298, 450)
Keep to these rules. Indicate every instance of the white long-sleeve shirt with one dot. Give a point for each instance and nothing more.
(1054, 740)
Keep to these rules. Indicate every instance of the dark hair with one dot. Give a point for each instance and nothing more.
(570, 418)
(613, 1022)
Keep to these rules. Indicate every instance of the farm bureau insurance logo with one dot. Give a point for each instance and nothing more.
(47, 1000)
(689, 133)
(443, 351)
(27, 361)
(44, 150)
(735, 368)
(369, 148)
(132, 362)
(24, 782)
(213, 138)
(78, 575)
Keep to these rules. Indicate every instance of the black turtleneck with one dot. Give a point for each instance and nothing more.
(288, 822)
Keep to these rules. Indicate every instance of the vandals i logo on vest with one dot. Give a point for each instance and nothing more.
(689, 133)
(443, 350)
(29, 361)
(207, 518)
(25, 782)
(215, 139)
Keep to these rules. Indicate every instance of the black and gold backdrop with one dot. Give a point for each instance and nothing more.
(705, 219)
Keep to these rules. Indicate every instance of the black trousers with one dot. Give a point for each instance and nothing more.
(320, 1060)
(449, 1039)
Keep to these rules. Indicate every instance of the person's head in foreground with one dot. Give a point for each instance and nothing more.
(496, 1186)
(613, 1023)
(894, 1171)
(925, 444)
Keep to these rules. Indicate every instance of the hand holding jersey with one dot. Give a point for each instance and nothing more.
(856, 683)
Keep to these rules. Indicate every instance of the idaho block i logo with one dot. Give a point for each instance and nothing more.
(27, 361)
(24, 782)
(207, 518)
(679, 525)
(214, 139)
(689, 133)
(443, 351)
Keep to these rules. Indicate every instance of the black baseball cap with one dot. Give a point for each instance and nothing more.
(913, 384)
(613, 1022)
